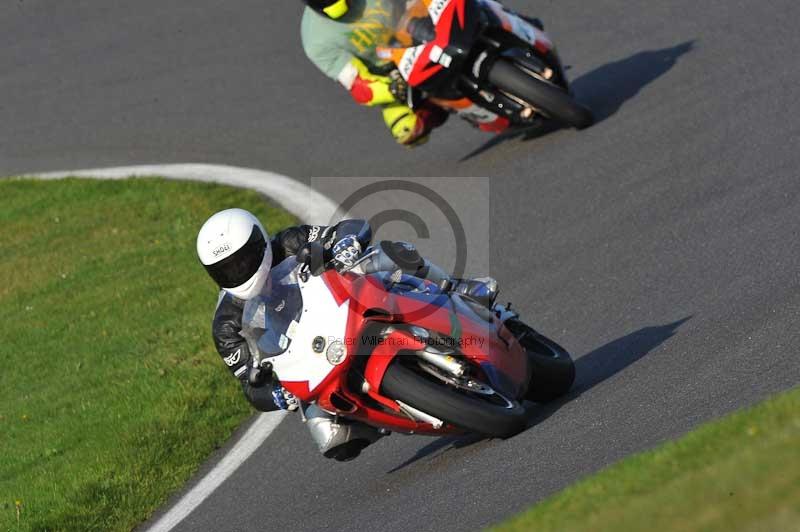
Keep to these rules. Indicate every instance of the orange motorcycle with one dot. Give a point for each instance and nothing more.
(493, 67)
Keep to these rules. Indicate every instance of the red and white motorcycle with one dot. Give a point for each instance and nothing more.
(395, 352)
(493, 67)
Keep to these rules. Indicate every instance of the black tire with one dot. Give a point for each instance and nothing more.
(553, 101)
(551, 377)
(552, 368)
(448, 404)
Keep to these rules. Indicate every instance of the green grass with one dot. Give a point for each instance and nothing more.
(741, 473)
(111, 393)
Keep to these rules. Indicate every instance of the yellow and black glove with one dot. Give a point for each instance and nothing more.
(365, 87)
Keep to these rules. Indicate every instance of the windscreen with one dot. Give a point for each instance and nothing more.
(415, 26)
(269, 317)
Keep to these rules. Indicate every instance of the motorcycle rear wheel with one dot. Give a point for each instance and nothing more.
(470, 412)
(550, 99)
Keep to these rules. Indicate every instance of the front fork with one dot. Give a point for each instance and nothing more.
(508, 35)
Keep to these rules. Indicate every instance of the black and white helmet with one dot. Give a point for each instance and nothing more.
(235, 251)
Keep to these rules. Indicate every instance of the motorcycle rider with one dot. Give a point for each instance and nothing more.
(238, 254)
(340, 37)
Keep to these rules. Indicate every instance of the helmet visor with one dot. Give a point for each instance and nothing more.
(233, 271)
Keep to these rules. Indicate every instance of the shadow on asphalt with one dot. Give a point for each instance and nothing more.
(535, 131)
(591, 369)
(606, 361)
(604, 90)
(439, 444)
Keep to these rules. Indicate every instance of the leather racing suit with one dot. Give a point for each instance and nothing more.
(344, 50)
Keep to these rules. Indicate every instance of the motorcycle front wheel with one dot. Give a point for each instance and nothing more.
(549, 99)
(475, 407)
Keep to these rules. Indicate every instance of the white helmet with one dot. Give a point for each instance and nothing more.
(235, 250)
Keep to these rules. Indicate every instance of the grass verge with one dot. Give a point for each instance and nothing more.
(111, 393)
(738, 473)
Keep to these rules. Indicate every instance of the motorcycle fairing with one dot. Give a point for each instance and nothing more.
(456, 25)
(300, 368)
(434, 65)
(424, 65)
(344, 307)
(514, 24)
(449, 316)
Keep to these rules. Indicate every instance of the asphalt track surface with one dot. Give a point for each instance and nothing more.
(660, 246)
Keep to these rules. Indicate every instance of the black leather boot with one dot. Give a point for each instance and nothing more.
(482, 290)
(535, 21)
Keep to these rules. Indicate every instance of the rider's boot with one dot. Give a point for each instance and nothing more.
(536, 22)
(482, 290)
(404, 257)
(340, 439)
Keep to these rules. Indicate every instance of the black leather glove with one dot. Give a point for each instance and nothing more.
(398, 86)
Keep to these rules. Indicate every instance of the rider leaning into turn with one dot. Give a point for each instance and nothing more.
(238, 254)
(340, 38)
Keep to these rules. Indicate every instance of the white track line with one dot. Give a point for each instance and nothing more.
(304, 202)
(301, 200)
(247, 445)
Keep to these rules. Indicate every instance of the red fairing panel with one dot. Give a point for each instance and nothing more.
(489, 344)
(424, 68)
(383, 355)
